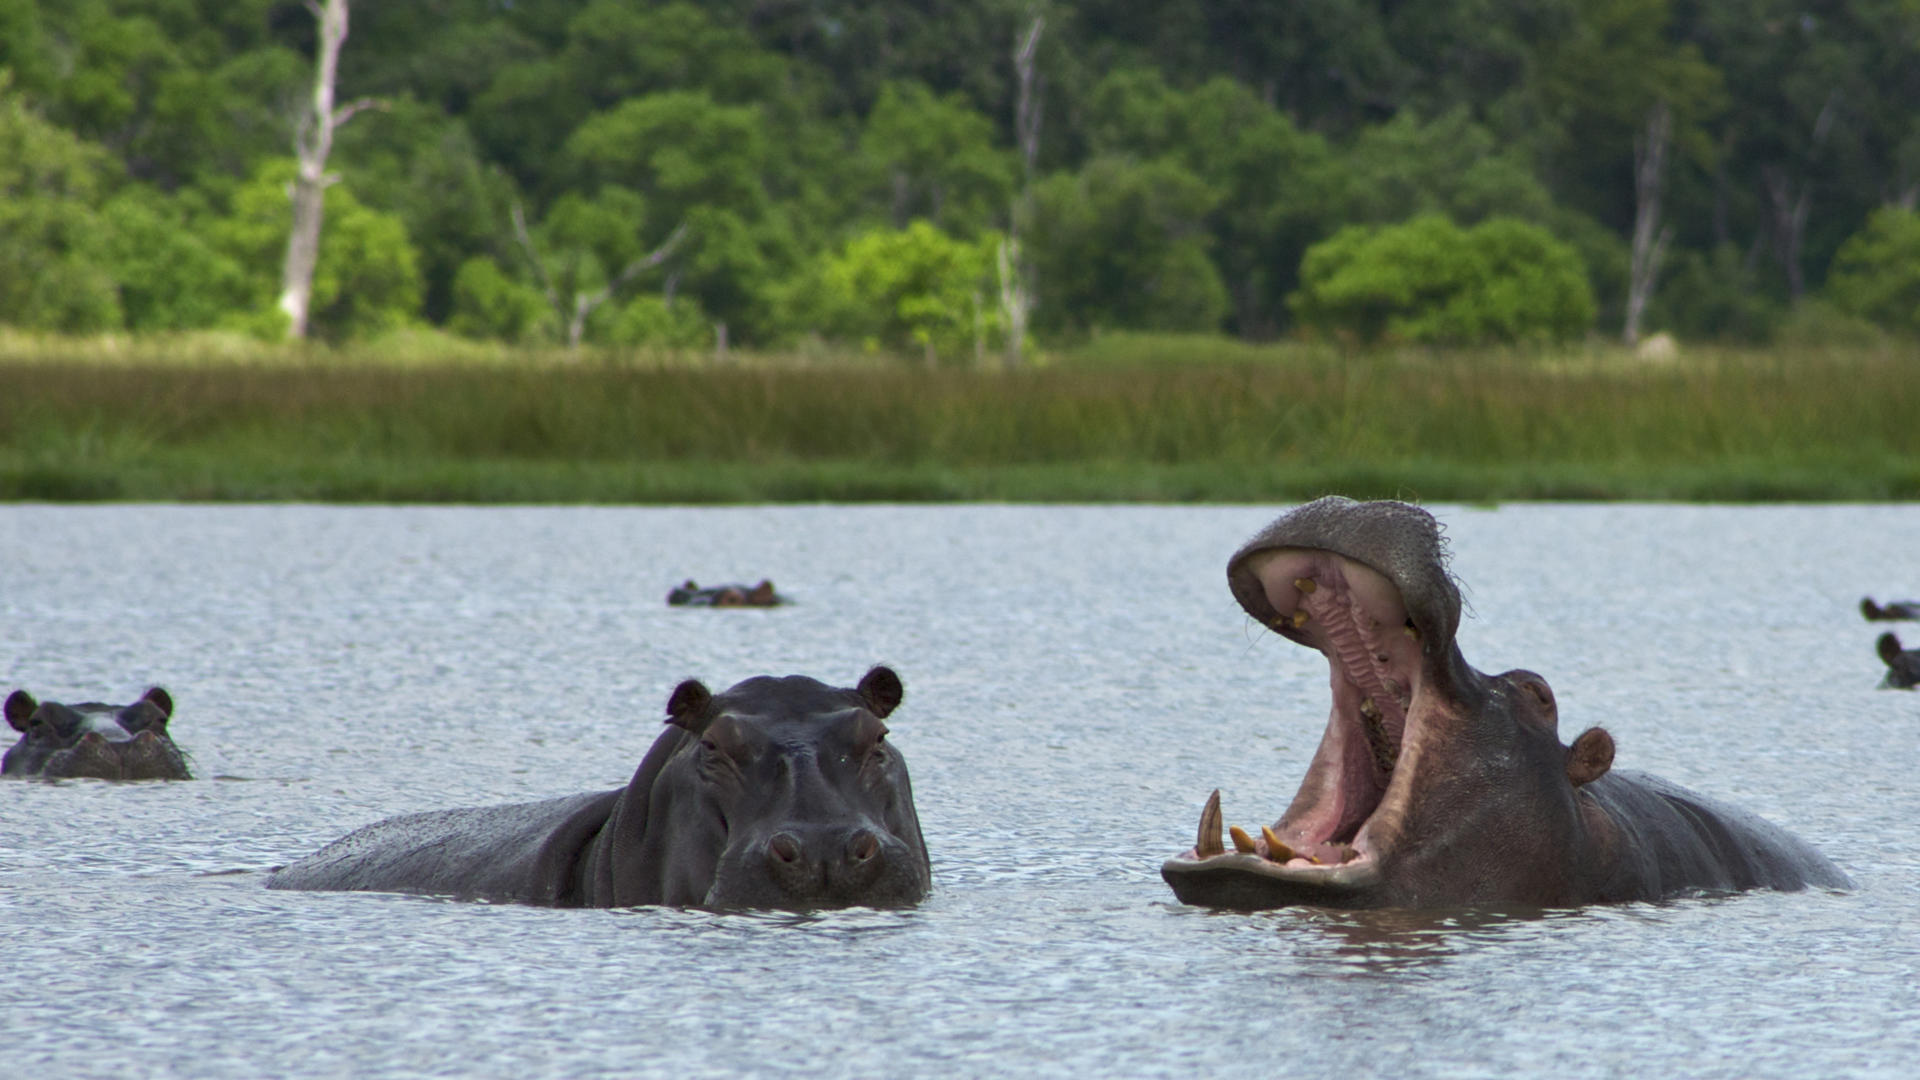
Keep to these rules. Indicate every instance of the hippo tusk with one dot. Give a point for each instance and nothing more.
(1300, 618)
(1208, 844)
(1277, 850)
(1305, 585)
(1242, 843)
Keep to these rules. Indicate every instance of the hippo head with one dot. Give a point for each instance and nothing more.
(109, 742)
(775, 793)
(1433, 784)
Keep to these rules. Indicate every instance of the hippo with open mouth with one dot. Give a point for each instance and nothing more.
(1436, 785)
(776, 793)
(105, 742)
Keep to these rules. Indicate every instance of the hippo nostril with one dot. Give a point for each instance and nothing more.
(864, 847)
(784, 848)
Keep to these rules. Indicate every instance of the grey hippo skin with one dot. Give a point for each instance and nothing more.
(1903, 665)
(777, 793)
(107, 742)
(1436, 785)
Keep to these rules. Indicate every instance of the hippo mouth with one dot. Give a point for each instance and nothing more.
(1342, 825)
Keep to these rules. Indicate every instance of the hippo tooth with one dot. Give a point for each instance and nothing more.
(1242, 843)
(1299, 618)
(1411, 630)
(1277, 850)
(1305, 585)
(1368, 709)
(1208, 844)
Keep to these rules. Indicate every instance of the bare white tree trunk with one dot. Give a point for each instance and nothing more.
(1016, 296)
(312, 142)
(1650, 238)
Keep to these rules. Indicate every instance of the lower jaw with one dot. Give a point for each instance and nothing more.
(1252, 883)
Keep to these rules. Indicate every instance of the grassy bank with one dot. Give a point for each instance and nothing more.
(1135, 419)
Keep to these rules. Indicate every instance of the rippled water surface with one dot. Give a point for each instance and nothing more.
(1078, 679)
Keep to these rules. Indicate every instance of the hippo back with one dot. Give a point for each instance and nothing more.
(1681, 841)
(524, 852)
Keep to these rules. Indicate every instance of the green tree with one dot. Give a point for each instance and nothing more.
(937, 161)
(52, 239)
(489, 303)
(1122, 245)
(1876, 273)
(1431, 282)
(367, 280)
(1277, 186)
(915, 291)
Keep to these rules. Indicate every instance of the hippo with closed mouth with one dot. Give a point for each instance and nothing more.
(1890, 611)
(775, 793)
(1436, 785)
(1903, 665)
(105, 742)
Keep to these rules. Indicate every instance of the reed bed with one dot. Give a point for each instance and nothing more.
(1252, 426)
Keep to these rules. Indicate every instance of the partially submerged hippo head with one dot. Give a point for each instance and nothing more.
(1903, 665)
(1433, 783)
(777, 792)
(108, 742)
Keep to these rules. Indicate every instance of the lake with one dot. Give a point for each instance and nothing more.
(1078, 679)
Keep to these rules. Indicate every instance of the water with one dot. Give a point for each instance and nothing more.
(1078, 680)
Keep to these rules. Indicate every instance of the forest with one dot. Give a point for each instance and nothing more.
(950, 181)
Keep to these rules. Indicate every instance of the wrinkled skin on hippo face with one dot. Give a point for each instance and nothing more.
(777, 793)
(107, 742)
(1434, 784)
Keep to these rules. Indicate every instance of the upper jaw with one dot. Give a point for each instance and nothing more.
(1385, 624)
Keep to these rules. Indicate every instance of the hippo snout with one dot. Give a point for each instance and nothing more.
(842, 863)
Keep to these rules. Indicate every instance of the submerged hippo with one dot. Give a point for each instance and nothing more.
(777, 793)
(689, 594)
(1893, 609)
(1436, 785)
(107, 742)
(1903, 665)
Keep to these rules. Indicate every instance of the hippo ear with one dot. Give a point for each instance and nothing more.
(688, 704)
(1888, 647)
(1590, 756)
(161, 700)
(880, 688)
(20, 706)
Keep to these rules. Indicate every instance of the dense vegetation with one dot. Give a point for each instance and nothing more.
(850, 173)
(1127, 417)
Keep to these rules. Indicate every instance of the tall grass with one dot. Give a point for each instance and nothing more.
(1256, 425)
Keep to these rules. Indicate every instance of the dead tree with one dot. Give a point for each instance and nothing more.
(583, 303)
(312, 142)
(1790, 207)
(1016, 276)
(1650, 238)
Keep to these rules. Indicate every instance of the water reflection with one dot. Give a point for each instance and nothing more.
(1396, 941)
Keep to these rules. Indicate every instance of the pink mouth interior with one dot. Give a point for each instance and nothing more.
(1355, 617)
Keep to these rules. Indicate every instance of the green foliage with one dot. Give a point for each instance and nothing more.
(935, 159)
(915, 291)
(1715, 296)
(654, 322)
(1429, 281)
(489, 304)
(367, 280)
(169, 276)
(1277, 187)
(1124, 245)
(1876, 273)
(51, 234)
